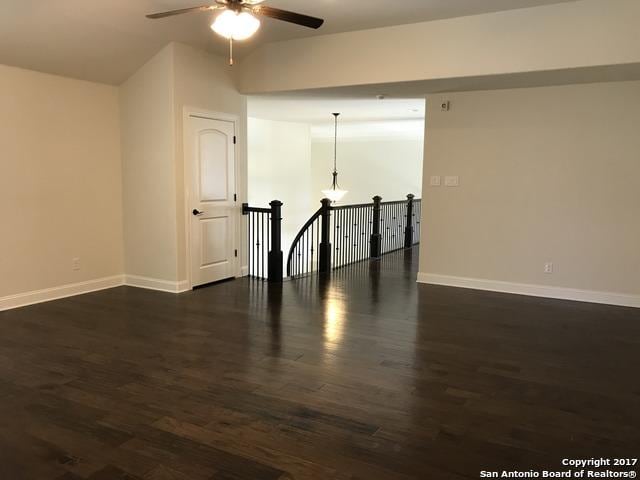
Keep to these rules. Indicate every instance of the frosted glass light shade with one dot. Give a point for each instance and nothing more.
(236, 26)
(335, 195)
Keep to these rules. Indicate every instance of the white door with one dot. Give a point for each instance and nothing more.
(211, 155)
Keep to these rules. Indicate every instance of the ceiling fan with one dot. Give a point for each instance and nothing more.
(238, 21)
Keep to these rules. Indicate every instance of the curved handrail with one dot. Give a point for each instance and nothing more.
(354, 205)
(382, 223)
(302, 231)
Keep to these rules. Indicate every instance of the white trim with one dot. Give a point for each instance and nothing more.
(63, 291)
(70, 290)
(592, 296)
(156, 284)
(244, 271)
(210, 114)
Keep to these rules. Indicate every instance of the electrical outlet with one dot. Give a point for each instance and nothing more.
(548, 267)
(451, 181)
(75, 263)
(435, 181)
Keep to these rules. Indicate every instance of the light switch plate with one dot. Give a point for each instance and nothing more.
(435, 181)
(451, 181)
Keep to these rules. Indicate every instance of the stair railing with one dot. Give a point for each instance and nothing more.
(264, 231)
(311, 249)
(336, 236)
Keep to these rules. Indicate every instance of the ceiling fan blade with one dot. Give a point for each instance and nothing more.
(170, 13)
(291, 17)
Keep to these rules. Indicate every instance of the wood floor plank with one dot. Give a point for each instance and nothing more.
(368, 376)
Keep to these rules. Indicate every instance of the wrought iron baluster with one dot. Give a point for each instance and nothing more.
(386, 229)
(347, 229)
(260, 238)
(344, 232)
(334, 224)
(317, 246)
(363, 233)
(354, 235)
(340, 216)
(349, 237)
(255, 243)
(359, 232)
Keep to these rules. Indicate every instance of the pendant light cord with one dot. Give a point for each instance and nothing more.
(335, 152)
(335, 144)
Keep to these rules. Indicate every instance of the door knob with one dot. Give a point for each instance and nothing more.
(197, 212)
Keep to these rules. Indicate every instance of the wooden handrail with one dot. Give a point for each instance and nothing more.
(302, 231)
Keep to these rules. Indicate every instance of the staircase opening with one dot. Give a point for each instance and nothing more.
(290, 159)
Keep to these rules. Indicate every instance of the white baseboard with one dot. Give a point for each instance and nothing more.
(592, 296)
(244, 271)
(156, 284)
(63, 291)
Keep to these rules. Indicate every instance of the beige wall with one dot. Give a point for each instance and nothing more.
(60, 181)
(546, 175)
(574, 35)
(149, 172)
(96, 172)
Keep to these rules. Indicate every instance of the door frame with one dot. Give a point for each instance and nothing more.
(221, 116)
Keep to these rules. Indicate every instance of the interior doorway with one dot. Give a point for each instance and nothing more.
(211, 165)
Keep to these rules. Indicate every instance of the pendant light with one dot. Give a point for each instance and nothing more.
(334, 193)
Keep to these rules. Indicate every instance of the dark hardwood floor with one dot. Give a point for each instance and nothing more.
(370, 376)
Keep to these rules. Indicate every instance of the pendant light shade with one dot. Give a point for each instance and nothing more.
(335, 194)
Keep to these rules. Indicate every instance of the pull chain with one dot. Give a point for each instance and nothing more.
(231, 51)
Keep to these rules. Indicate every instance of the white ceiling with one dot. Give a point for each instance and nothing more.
(108, 40)
(317, 109)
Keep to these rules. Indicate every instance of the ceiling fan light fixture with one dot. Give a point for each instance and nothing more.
(235, 26)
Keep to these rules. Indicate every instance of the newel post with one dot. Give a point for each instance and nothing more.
(376, 236)
(325, 245)
(275, 254)
(408, 229)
